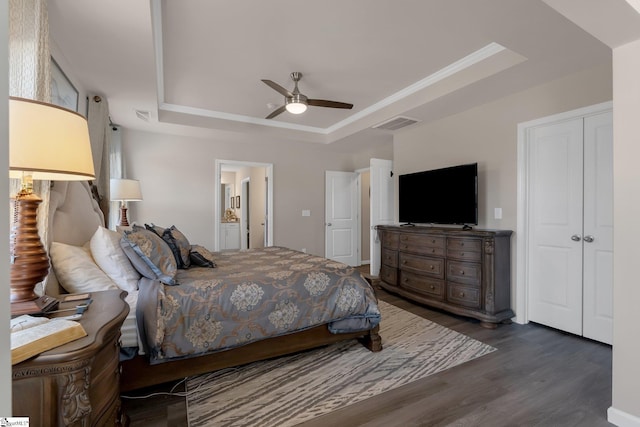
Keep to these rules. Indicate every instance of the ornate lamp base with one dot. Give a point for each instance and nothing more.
(29, 260)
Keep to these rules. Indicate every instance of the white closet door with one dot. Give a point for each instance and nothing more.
(555, 244)
(598, 228)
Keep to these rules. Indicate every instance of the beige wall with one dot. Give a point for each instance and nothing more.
(177, 175)
(626, 195)
(488, 135)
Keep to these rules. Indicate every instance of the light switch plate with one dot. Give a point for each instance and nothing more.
(306, 212)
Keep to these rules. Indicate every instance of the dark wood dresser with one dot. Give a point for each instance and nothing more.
(76, 384)
(466, 272)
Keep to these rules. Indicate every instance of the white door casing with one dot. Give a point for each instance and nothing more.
(341, 217)
(382, 206)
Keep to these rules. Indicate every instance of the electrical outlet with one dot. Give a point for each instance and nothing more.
(497, 213)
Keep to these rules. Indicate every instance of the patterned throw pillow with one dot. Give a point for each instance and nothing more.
(201, 257)
(179, 245)
(152, 227)
(150, 255)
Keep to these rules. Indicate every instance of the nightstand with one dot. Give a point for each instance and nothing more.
(77, 383)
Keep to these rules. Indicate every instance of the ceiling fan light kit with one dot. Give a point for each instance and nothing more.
(295, 102)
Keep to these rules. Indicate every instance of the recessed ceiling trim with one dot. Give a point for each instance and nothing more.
(473, 58)
(238, 118)
(470, 60)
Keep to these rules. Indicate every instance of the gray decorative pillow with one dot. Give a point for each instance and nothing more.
(150, 255)
(179, 245)
(201, 257)
(152, 227)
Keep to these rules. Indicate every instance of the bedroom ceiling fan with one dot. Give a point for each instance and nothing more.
(295, 102)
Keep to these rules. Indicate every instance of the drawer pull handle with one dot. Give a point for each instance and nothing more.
(433, 251)
(461, 294)
(432, 267)
(461, 253)
(404, 262)
(432, 287)
(462, 272)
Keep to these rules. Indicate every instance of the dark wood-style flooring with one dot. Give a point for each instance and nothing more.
(537, 377)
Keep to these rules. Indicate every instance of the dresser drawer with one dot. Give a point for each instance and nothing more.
(464, 249)
(390, 239)
(464, 255)
(466, 296)
(422, 265)
(389, 258)
(456, 243)
(424, 285)
(464, 272)
(421, 244)
(389, 275)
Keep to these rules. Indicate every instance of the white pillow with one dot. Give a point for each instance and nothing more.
(106, 250)
(76, 271)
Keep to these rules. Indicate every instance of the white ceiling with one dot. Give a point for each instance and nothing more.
(196, 65)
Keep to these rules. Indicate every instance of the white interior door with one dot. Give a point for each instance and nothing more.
(382, 206)
(341, 217)
(555, 167)
(598, 228)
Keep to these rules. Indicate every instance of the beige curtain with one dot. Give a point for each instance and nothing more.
(117, 168)
(29, 74)
(100, 136)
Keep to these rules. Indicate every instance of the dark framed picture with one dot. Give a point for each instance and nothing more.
(63, 93)
(233, 205)
(237, 202)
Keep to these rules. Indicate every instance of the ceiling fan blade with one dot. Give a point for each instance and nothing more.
(275, 86)
(275, 112)
(330, 104)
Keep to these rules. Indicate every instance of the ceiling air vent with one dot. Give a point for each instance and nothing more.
(396, 123)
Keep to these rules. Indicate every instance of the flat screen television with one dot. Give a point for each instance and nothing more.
(440, 196)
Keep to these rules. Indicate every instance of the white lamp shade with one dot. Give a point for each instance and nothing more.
(296, 107)
(50, 142)
(125, 190)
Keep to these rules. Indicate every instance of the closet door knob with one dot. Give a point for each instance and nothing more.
(576, 238)
(589, 239)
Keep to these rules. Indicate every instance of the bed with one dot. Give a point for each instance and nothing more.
(193, 311)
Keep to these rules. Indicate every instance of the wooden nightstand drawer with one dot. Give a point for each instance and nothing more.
(422, 265)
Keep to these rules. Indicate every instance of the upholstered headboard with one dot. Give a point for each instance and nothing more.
(74, 216)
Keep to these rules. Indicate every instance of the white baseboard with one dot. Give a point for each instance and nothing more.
(621, 418)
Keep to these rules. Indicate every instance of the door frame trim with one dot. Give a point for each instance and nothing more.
(216, 197)
(522, 222)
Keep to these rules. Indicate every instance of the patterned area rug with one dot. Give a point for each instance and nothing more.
(292, 389)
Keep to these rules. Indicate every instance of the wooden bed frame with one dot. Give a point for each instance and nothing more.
(73, 218)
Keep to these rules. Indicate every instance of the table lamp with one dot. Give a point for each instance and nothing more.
(123, 191)
(46, 142)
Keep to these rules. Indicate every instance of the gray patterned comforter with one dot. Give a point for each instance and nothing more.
(251, 295)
